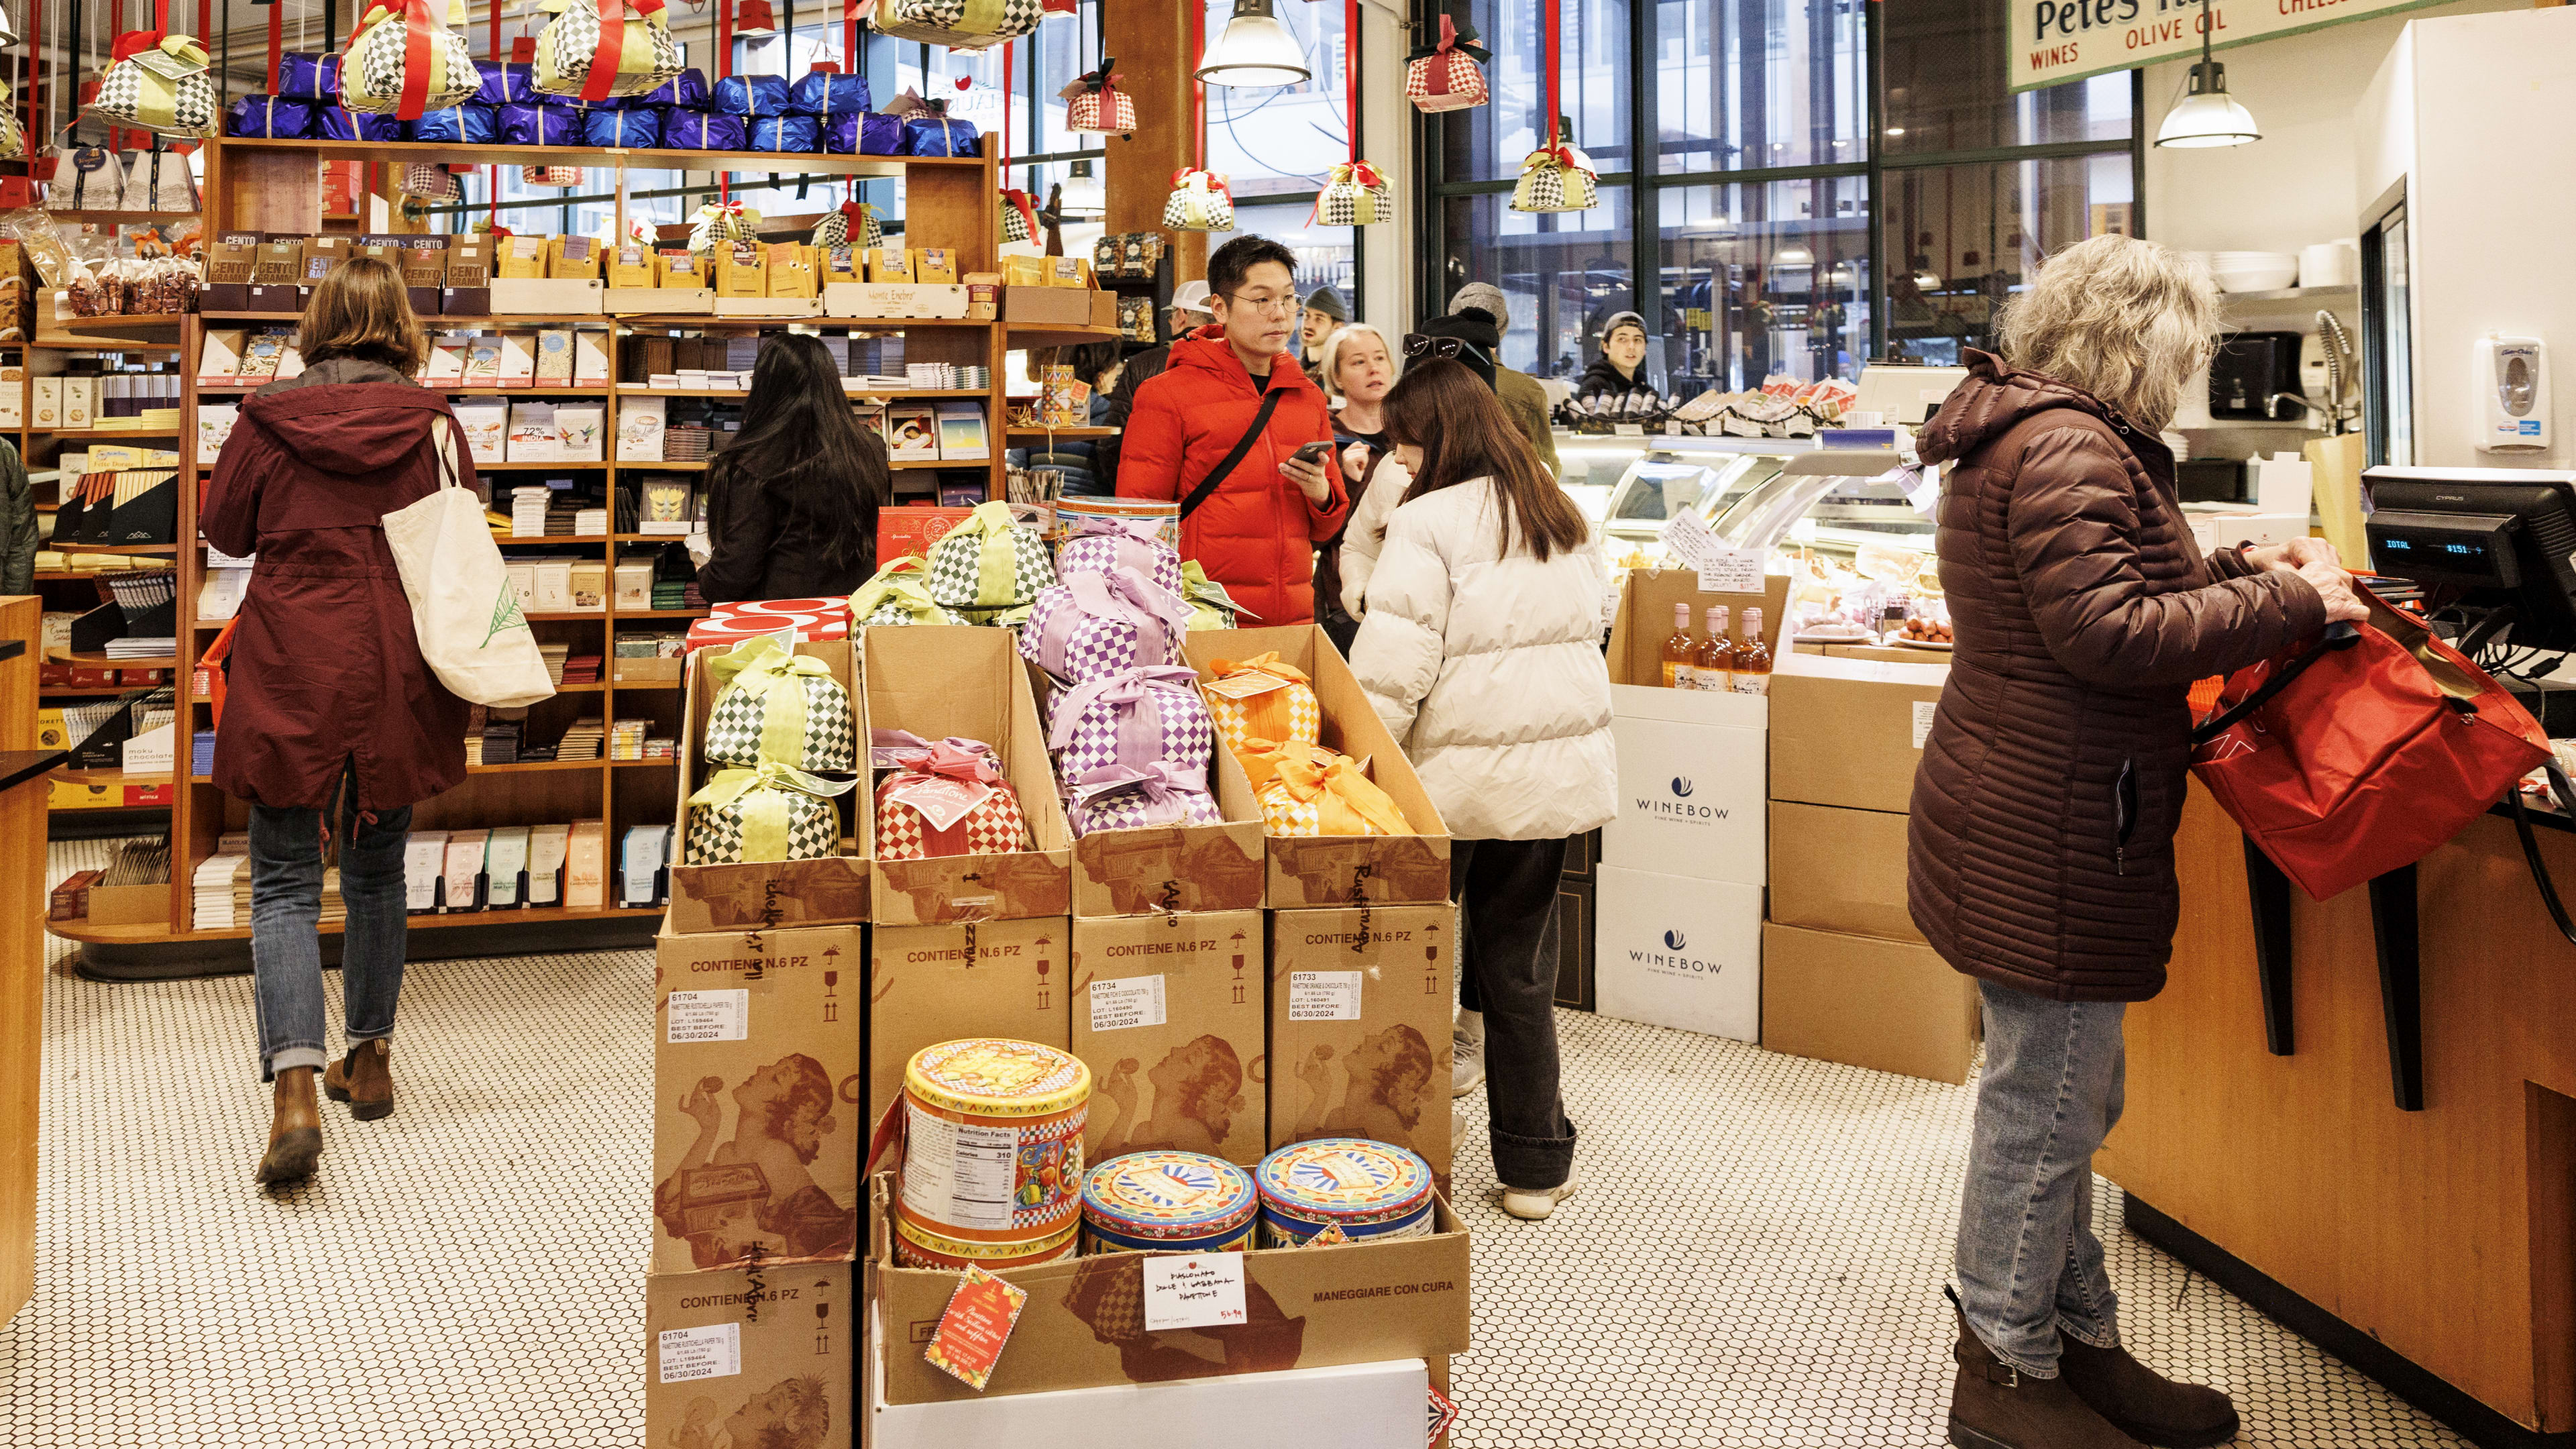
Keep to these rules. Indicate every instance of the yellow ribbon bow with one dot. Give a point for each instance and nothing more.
(901, 583)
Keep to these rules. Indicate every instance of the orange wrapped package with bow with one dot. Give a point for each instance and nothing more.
(1262, 698)
(1305, 789)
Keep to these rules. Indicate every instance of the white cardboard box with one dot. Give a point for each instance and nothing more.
(1674, 951)
(2215, 531)
(1691, 796)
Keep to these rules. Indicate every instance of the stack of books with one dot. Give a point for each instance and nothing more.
(213, 882)
(686, 443)
(580, 669)
(335, 911)
(626, 739)
(555, 654)
(499, 743)
(581, 742)
(528, 512)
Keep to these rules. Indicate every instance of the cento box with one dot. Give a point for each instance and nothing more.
(930, 984)
(756, 1130)
(752, 1358)
(1165, 868)
(1334, 870)
(1083, 1324)
(1360, 1026)
(1169, 1012)
(938, 680)
(771, 893)
(1850, 731)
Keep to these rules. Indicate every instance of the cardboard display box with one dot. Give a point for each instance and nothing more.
(765, 1358)
(1680, 952)
(1840, 870)
(768, 893)
(1169, 1012)
(1360, 1001)
(1849, 732)
(937, 680)
(1334, 870)
(1892, 1006)
(660, 301)
(546, 295)
(1082, 1326)
(893, 299)
(1369, 1406)
(1061, 305)
(930, 984)
(1165, 868)
(756, 1061)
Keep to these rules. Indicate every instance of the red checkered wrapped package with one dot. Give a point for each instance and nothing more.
(943, 798)
(792, 621)
(1442, 75)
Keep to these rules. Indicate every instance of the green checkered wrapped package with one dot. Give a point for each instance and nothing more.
(900, 594)
(988, 565)
(774, 706)
(771, 813)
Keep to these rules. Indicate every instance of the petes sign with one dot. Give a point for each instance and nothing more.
(2054, 41)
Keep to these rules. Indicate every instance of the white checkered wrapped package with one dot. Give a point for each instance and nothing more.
(851, 224)
(1355, 194)
(1093, 625)
(959, 24)
(779, 708)
(1551, 181)
(1131, 720)
(988, 565)
(375, 83)
(771, 813)
(1449, 81)
(1104, 545)
(147, 95)
(570, 53)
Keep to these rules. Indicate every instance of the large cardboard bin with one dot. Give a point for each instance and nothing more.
(1691, 763)
(764, 1357)
(1169, 1012)
(1676, 951)
(1840, 870)
(771, 894)
(1165, 868)
(930, 984)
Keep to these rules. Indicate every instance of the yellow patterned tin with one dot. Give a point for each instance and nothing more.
(993, 1141)
(916, 1247)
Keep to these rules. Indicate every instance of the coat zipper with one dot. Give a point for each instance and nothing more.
(2125, 800)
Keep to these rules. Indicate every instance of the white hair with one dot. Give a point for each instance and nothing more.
(2126, 320)
(1331, 365)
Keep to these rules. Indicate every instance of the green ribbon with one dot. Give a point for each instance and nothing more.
(767, 815)
(904, 589)
(997, 578)
(1211, 607)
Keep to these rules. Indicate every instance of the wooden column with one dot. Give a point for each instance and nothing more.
(1156, 49)
(22, 958)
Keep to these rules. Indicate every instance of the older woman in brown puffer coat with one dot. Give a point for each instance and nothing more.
(2041, 852)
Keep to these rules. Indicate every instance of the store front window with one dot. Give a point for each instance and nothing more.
(1561, 273)
(1756, 84)
(1960, 239)
(1765, 281)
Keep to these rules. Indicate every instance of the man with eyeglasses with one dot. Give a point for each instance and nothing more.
(1219, 430)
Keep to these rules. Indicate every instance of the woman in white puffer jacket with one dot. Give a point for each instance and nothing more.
(1481, 649)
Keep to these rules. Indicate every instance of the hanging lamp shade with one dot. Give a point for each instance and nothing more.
(1795, 254)
(1082, 194)
(1254, 50)
(2207, 115)
(752, 20)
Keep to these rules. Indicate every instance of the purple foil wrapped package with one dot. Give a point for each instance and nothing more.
(630, 127)
(688, 88)
(828, 93)
(1091, 625)
(1104, 545)
(540, 125)
(339, 123)
(784, 133)
(307, 77)
(1132, 719)
(1121, 797)
(269, 118)
(505, 84)
(687, 130)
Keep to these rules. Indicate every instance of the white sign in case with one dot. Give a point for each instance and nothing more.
(1673, 951)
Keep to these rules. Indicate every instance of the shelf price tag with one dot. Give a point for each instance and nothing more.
(1201, 1290)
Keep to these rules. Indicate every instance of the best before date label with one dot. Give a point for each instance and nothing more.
(1201, 1290)
(1924, 709)
(697, 1016)
(1323, 996)
(690, 1354)
(1131, 1001)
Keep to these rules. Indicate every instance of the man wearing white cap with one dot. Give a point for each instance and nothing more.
(1189, 309)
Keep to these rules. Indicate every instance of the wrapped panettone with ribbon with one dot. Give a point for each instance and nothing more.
(720, 222)
(988, 565)
(1019, 216)
(596, 49)
(1555, 177)
(1092, 625)
(158, 81)
(775, 706)
(1098, 544)
(1306, 789)
(1200, 201)
(958, 24)
(1139, 797)
(1445, 75)
(774, 812)
(1094, 104)
(1133, 717)
(944, 797)
(1354, 194)
(1211, 607)
(402, 59)
(900, 594)
(1262, 698)
(851, 224)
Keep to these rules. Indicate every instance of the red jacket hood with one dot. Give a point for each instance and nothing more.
(353, 419)
(1206, 349)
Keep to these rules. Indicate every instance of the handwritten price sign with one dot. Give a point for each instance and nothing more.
(1202, 1290)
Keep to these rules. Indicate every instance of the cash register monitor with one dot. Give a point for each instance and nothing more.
(2497, 543)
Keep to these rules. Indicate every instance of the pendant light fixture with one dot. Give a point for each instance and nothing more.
(1254, 51)
(2207, 115)
(1795, 254)
(1083, 195)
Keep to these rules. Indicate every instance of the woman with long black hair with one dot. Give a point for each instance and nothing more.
(792, 502)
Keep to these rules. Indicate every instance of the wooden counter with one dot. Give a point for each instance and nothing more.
(23, 795)
(2441, 1242)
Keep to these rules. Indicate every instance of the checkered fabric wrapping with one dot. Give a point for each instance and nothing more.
(957, 564)
(1115, 547)
(1077, 646)
(569, 46)
(1282, 813)
(890, 613)
(1196, 206)
(1347, 203)
(1015, 222)
(125, 93)
(959, 24)
(740, 717)
(995, 827)
(715, 831)
(1127, 810)
(1129, 720)
(834, 229)
(1546, 185)
(1466, 83)
(1107, 110)
(1288, 713)
(378, 85)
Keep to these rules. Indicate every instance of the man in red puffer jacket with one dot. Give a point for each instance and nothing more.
(1255, 531)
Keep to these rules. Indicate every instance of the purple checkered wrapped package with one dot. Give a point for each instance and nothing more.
(1122, 797)
(1131, 719)
(1088, 626)
(1104, 545)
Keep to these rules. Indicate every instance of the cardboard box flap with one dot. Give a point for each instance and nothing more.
(937, 680)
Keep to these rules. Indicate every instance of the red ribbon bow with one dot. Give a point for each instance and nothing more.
(418, 27)
(950, 762)
(611, 50)
(133, 43)
(1214, 181)
(1019, 201)
(1366, 174)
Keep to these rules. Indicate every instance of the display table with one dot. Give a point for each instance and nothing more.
(23, 796)
(2435, 1249)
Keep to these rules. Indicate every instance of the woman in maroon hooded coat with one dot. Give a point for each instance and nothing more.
(331, 713)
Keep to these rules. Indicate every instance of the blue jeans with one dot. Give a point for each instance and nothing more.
(2029, 1266)
(286, 947)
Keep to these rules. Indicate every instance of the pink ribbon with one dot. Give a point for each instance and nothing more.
(1131, 687)
(902, 749)
(1121, 593)
(1164, 787)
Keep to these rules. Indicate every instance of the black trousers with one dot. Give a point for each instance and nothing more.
(1506, 892)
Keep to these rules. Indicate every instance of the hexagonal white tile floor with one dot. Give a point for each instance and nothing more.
(1756, 1256)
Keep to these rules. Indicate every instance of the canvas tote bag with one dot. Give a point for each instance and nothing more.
(467, 616)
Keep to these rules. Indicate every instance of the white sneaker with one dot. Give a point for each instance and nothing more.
(1467, 1044)
(1533, 1204)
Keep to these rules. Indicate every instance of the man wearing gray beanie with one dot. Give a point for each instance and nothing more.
(1521, 396)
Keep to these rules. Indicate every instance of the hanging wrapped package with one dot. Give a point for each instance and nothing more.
(1132, 718)
(688, 88)
(1555, 177)
(596, 49)
(631, 126)
(1262, 698)
(402, 59)
(1126, 797)
(899, 594)
(719, 223)
(1093, 103)
(774, 706)
(1200, 201)
(1092, 625)
(505, 84)
(771, 813)
(1097, 544)
(535, 124)
(1308, 790)
(798, 134)
(159, 82)
(467, 125)
(1444, 75)
(308, 77)
(1355, 194)
(944, 798)
(270, 118)
(752, 95)
(850, 224)
(1211, 607)
(824, 91)
(693, 130)
(988, 565)
(958, 24)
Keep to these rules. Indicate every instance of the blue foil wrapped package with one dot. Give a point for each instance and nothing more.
(863, 134)
(308, 77)
(466, 125)
(828, 93)
(785, 133)
(635, 126)
(339, 123)
(938, 136)
(272, 118)
(540, 125)
(687, 130)
(505, 84)
(688, 88)
(752, 95)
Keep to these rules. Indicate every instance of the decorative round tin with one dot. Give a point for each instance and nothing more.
(993, 1141)
(1362, 1189)
(915, 1247)
(1164, 514)
(1167, 1201)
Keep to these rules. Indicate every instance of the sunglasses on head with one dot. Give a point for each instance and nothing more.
(1418, 346)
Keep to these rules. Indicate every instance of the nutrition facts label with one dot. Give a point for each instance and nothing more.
(958, 1173)
(710, 1015)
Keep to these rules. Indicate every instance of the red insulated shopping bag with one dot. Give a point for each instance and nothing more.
(2354, 756)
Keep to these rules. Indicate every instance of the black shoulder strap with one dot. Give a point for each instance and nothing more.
(1216, 475)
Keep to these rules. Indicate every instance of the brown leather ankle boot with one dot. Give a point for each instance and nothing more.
(364, 1079)
(2146, 1405)
(294, 1130)
(1995, 1406)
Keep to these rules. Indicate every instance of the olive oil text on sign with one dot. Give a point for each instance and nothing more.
(2056, 41)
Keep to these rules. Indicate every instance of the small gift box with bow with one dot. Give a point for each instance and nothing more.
(1135, 718)
(1444, 75)
(1097, 544)
(898, 595)
(404, 60)
(1308, 790)
(851, 224)
(596, 49)
(1355, 194)
(1127, 797)
(764, 814)
(1093, 103)
(1555, 177)
(944, 798)
(1262, 698)
(988, 565)
(1200, 201)
(720, 222)
(773, 705)
(1092, 625)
